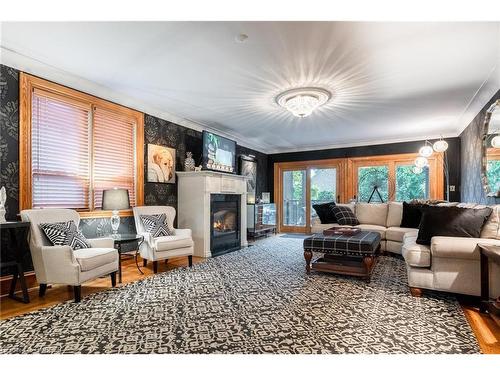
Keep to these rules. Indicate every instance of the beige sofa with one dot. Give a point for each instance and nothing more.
(449, 264)
(384, 218)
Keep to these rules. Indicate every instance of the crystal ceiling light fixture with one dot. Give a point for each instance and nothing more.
(301, 102)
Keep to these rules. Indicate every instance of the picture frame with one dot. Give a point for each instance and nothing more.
(248, 168)
(161, 164)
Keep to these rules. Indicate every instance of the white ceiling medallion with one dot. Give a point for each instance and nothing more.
(301, 102)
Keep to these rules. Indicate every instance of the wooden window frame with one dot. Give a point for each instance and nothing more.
(436, 171)
(347, 179)
(279, 168)
(29, 83)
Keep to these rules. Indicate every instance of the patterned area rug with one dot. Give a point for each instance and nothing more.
(257, 300)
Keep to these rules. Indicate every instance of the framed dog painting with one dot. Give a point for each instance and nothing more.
(161, 164)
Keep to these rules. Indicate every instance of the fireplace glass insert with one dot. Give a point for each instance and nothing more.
(225, 235)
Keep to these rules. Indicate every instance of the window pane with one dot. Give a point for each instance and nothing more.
(294, 198)
(493, 173)
(373, 182)
(114, 154)
(60, 153)
(323, 187)
(410, 185)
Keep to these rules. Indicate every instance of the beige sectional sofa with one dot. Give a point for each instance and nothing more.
(449, 264)
(384, 218)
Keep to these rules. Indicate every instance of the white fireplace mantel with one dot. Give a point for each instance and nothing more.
(193, 204)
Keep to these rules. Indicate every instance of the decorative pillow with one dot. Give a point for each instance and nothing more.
(325, 212)
(451, 222)
(157, 225)
(65, 234)
(344, 215)
(412, 214)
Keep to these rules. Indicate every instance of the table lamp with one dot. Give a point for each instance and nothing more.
(115, 200)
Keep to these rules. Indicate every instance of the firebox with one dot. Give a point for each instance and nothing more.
(225, 225)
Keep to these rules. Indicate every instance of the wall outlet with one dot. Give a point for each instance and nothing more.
(452, 187)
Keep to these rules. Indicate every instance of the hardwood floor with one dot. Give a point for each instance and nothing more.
(485, 328)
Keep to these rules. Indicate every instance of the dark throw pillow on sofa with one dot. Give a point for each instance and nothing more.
(325, 212)
(412, 214)
(451, 222)
(345, 216)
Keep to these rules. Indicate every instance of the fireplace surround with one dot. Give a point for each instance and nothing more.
(198, 193)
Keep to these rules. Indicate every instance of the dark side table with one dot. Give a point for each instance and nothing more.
(488, 253)
(121, 239)
(14, 235)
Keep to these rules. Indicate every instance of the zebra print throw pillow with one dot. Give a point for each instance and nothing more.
(157, 225)
(65, 233)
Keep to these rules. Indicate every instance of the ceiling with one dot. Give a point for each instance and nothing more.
(390, 81)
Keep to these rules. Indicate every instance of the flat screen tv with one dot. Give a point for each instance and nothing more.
(219, 153)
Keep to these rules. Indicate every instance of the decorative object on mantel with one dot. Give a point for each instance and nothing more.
(3, 199)
(248, 168)
(426, 151)
(115, 200)
(189, 164)
(301, 102)
(266, 197)
(490, 165)
(198, 168)
(161, 164)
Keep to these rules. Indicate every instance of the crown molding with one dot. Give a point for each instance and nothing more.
(371, 142)
(27, 64)
(481, 97)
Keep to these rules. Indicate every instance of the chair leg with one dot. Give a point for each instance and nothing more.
(42, 290)
(190, 260)
(166, 261)
(77, 290)
(155, 266)
(144, 262)
(113, 278)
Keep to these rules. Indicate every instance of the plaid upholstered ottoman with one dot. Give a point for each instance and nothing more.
(347, 255)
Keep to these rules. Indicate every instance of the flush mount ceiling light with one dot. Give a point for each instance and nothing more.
(301, 102)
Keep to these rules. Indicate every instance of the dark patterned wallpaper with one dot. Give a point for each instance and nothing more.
(157, 131)
(9, 142)
(471, 187)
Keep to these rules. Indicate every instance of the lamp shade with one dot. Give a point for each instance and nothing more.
(115, 199)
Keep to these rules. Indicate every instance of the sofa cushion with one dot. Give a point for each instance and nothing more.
(65, 234)
(459, 247)
(157, 225)
(491, 228)
(414, 254)
(325, 212)
(451, 222)
(412, 214)
(319, 228)
(394, 214)
(372, 213)
(345, 216)
(373, 228)
(166, 243)
(397, 233)
(94, 257)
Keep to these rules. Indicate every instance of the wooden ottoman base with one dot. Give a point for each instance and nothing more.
(339, 264)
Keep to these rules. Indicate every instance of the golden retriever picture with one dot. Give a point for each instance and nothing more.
(161, 164)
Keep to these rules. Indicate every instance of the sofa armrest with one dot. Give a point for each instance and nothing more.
(104, 242)
(458, 247)
(183, 232)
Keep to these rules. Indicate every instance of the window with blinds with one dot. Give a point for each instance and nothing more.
(77, 151)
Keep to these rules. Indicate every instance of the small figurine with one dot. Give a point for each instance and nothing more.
(3, 198)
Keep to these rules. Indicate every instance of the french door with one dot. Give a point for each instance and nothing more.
(300, 185)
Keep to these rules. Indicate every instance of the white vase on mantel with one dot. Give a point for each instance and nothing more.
(189, 163)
